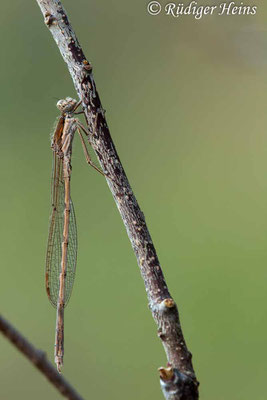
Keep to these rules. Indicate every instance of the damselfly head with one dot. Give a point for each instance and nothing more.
(66, 105)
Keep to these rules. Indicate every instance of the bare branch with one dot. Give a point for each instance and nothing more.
(178, 380)
(38, 359)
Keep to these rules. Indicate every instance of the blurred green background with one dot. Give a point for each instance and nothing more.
(186, 105)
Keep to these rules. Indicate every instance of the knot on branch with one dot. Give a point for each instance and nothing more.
(49, 19)
(167, 305)
(87, 66)
(176, 385)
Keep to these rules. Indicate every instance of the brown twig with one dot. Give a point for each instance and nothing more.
(38, 358)
(178, 380)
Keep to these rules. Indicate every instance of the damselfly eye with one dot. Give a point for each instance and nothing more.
(66, 105)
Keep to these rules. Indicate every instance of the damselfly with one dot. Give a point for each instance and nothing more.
(61, 253)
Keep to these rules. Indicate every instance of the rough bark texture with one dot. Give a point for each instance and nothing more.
(178, 380)
(38, 358)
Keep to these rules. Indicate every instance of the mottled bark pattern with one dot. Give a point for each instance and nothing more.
(182, 384)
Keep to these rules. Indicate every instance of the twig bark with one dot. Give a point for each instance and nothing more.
(38, 358)
(178, 380)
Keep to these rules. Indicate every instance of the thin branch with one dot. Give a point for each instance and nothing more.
(38, 359)
(178, 380)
